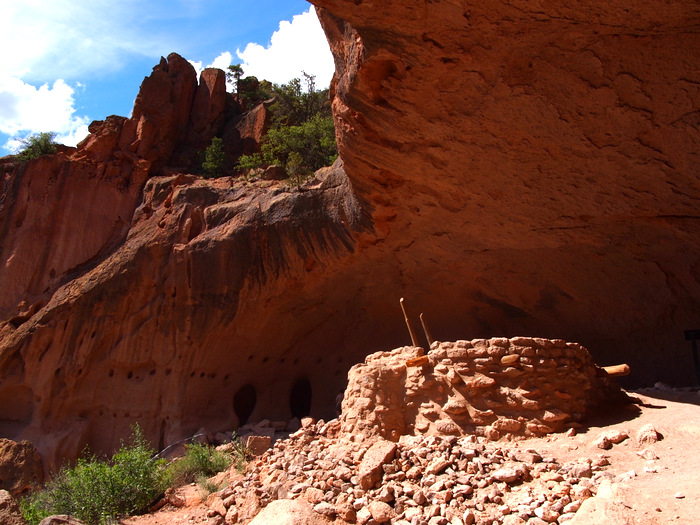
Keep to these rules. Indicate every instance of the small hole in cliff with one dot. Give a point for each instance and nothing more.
(282, 361)
(250, 357)
(58, 371)
(309, 264)
(266, 359)
(244, 403)
(212, 375)
(191, 374)
(300, 398)
(168, 371)
(152, 373)
(111, 373)
(93, 335)
(80, 371)
(129, 375)
(202, 375)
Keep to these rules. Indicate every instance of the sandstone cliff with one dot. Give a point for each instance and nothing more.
(533, 167)
(133, 292)
(512, 169)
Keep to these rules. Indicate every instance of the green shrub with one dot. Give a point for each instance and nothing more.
(249, 162)
(313, 141)
(295, 104)
(240, 452)
(97, 491)
(199, 461)
(302, 134)
(214, 159)
(37, 145)
(300, 149)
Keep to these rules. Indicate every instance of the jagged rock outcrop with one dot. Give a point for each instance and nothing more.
(10, 513)
(512, 169)
(20, 467)
(61, 214)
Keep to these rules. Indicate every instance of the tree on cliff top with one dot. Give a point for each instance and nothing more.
(249, 90)
(234, 74)
(302, 135)
(37, 145)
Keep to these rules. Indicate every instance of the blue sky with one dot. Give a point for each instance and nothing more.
(66, 63)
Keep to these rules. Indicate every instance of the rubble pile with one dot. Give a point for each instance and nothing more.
(420, 480)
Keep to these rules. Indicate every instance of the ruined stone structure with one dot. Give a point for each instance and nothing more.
(494, 388)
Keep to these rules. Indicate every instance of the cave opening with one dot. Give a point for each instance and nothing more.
(244, 403)
(300, 398)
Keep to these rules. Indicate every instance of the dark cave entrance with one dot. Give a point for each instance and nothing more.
(300, 398)
(244, 403)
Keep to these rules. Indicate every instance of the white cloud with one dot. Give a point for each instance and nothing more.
(299, 45)
(197, 67)
(70, 39)
(76, 40)
(26, 109)
(221, 62)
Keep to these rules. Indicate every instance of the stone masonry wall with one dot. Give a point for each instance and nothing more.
(519, 386)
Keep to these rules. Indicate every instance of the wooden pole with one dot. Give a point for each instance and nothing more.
(428, 336)
(617, 370)
(411, 332)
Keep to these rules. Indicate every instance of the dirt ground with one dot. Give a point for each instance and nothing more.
(669, 491)
(642, 491)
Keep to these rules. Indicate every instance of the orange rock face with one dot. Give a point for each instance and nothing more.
(133, 295)
(512, 169)
(532, 168)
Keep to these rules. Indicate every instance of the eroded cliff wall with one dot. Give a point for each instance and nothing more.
(134, 292)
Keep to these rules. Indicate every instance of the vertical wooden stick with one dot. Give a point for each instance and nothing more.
(428, 335)
(414, 339)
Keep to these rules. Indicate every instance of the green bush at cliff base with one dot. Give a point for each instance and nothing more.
(199, 462)
(98, 491)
